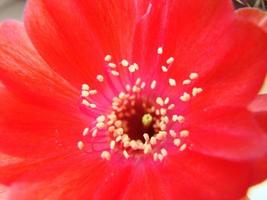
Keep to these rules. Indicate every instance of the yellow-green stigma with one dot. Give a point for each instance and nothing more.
(147, 120)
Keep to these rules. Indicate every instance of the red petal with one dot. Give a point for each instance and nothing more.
(189, 175)
(26, 74)
(254, 15)
(226, 132)
(194, 176)
(83, 32)
(238, 75)
(259, 109)
(29, 130)
(127, 29)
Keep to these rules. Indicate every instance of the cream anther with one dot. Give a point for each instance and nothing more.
(160, 50)
(196, 91)
(94, 133)
(186, 82)
(172, 133)
(164, 69)
(105, 155)
(164, 152)
(115, 73)
(112, 144)
(170, 60)
(80, 145)
(184, 133)
(85, 93)
(100, 78)
(100, 118)
(85, 87)
(125, 154)
(85, 131)
(193, 76)
(159, 101)
(177, 142)
(183, 147)
(153, 84)
(108, 58)
(172, 82)
(185, 97)
(112, 65)
(132, 68)
(124, 63)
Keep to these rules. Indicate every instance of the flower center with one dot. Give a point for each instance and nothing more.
(137, 124)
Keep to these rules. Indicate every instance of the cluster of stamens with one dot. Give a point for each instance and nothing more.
(157, 115)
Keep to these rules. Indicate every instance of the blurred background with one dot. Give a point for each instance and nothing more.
(13, 9)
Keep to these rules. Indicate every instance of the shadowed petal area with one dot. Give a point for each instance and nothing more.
(226, 132)
(25, 73)
(254, 15)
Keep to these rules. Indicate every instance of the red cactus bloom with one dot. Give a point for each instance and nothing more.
(130, 100)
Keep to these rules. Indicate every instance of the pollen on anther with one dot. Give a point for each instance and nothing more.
(172, 82)
(100, 78)
(107, 58)
(160, 50)
(80, 145)
(170, 60)
(105, 155)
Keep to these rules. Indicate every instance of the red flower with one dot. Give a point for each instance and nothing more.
(183, 72)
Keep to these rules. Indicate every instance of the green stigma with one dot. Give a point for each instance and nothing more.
(147, 120)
